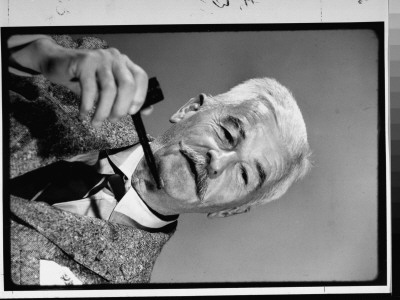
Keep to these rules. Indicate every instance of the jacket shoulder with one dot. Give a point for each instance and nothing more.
(117, 253)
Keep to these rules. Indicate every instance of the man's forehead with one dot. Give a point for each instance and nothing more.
(250, 113)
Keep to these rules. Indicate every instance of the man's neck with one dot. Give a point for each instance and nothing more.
(155, 202)
(130, 162)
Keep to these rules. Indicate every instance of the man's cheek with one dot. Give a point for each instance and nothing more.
(220, 190)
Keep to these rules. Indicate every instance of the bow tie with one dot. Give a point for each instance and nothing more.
(114, 183)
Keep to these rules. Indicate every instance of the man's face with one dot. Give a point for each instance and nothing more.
(213, 159)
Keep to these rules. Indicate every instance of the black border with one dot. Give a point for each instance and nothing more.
(376, 27)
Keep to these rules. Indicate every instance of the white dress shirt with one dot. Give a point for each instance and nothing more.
(130, 210)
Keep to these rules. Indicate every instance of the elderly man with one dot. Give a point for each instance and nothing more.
(222, 155)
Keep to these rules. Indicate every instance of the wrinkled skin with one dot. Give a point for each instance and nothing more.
(230, 154)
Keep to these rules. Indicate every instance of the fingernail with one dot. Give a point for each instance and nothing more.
(133, 110)
(147, 111)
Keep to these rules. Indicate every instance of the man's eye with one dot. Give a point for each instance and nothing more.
(244, 175)
(228, 135)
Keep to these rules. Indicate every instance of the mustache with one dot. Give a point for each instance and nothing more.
(197, 164)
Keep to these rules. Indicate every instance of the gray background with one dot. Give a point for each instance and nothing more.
(325, 227)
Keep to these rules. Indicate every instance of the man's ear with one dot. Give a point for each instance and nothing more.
(188, 109)
(229, 212)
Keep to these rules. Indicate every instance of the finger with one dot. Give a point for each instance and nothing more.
(88, 92)
(147, 111)
(75, 87)
(107, 95)
(125, 93)
(141, 81)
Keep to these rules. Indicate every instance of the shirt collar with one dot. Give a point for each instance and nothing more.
(127, 159)
(131, 205)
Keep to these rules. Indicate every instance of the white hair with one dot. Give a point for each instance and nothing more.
(291, 132)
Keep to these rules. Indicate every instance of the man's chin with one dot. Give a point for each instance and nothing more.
(179, 193)
(177, 181)
(175, 189)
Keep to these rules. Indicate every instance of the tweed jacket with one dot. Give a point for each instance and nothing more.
(44, 128)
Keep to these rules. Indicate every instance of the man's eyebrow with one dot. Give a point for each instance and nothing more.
(262, 175)
(238, 124)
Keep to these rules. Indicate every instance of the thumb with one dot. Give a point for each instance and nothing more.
(147, 111)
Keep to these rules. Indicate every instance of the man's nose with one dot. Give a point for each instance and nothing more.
(218, 161)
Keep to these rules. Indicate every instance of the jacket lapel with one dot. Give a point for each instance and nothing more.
(118, 253)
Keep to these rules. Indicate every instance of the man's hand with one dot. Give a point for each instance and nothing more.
(105, 74)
